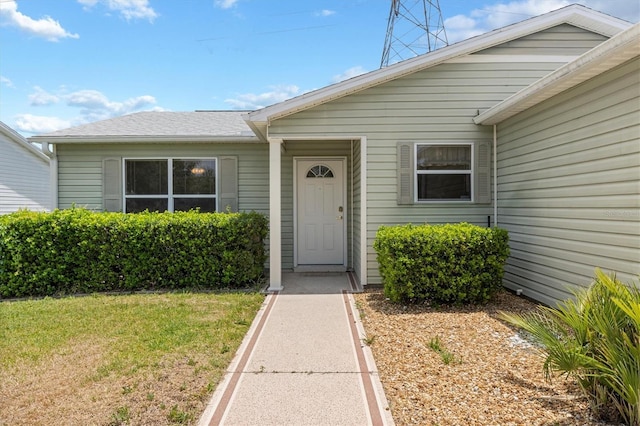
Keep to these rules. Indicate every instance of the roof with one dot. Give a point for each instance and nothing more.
(158, 126)
(575, 15)
(613, 52)
(14, 136)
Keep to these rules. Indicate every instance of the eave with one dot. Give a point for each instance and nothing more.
(576, 15)
(603, 57)
(143, 139)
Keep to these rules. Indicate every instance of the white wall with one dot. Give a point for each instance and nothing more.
(24, 174)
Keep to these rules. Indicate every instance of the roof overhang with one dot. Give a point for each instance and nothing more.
(575, 15)
(616, 51)
(143, 139)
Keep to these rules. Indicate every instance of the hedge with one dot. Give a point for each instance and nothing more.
(79, 251)
(444, 264)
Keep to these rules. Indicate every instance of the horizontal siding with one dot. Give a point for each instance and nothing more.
(80, 169)
(24, 179)
(563, 39)
(435, 105)
(569, 186)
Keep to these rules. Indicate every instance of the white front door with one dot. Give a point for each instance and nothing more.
(320, 211)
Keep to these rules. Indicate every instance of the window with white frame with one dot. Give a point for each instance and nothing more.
(444, 172)
(170, 184)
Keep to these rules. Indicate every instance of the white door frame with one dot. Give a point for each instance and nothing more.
(347, 208)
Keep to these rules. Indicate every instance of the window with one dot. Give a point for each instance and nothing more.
(170, 184)
(444, 172)
(320, 171)
(430, 172)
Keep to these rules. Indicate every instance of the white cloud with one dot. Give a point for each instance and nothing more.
(225, 4)
(41, 97)
(93, 105)
(253, 101)
(501, 14)
(461, 27)
(89, 99)
(129, 9)
(624, 9)
(479, 21)
(496, 15)
(29, 123)
(326, 12)
(96, 104)
(6, 82)
(45, 27)
(350, 73)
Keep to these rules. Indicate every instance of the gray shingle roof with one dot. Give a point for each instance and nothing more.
(163, 123)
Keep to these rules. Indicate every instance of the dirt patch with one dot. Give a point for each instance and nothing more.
(493, 375)
(69, 389)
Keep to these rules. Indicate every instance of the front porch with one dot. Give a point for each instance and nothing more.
(339, 233)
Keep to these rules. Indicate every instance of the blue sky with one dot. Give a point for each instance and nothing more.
(70, 62)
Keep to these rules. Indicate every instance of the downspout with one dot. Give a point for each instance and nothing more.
(53, 173)
(495, 175)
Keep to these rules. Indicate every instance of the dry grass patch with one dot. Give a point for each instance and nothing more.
(493, 376)
(111, 360)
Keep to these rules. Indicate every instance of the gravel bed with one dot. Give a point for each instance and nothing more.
(493, 375)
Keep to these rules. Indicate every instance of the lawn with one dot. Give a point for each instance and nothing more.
(139, 359)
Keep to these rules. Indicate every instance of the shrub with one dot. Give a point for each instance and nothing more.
(75, 250)
(454, 263)
(594, 338)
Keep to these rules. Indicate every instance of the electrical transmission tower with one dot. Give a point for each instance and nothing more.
(415, 27)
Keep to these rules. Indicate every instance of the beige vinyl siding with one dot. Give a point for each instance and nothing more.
(80, 169)
(563, 39)
(434, 105)
(24, 179)
(569, 186)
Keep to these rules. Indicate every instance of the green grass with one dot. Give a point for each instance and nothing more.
(138, 329)
(447, 356)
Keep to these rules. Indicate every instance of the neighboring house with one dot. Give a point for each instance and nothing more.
(569, 171)
(24, 174)
(396, 145)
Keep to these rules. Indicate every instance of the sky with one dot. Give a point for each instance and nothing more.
(65, 63)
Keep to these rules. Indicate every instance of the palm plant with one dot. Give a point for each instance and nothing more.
(595, 339)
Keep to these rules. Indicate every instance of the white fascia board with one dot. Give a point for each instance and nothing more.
(143, 139)
(603, 57)
(576, 15)
(260, 129)
(502, 59)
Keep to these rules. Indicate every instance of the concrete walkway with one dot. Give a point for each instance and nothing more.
(302, 362)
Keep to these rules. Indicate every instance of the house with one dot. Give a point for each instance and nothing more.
(397, 145)
(568, 171)
(24, 174)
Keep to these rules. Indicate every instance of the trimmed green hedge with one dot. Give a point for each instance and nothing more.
(79, 251)
(453, 263)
